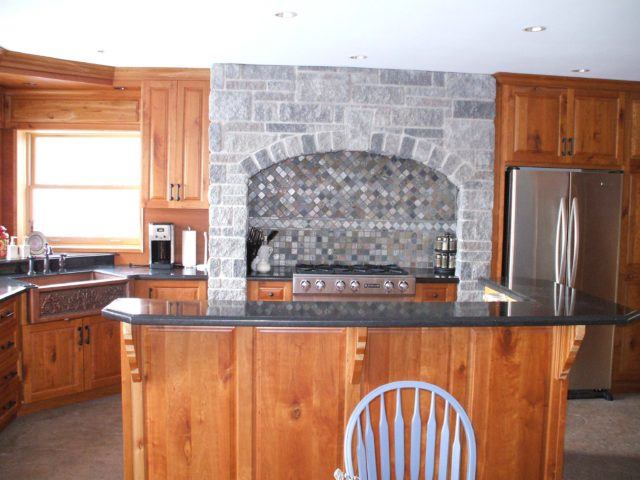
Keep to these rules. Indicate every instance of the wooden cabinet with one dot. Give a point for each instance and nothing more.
(53, 359)
(11, 312)
(626, 344)
(175, 122)
(281, 291)
(175, 290)
(633, 139)
(436, 292)
(538, 119)
(101, 359)
(596, 124)
(269, 291)
(67, 357)
(557, 126)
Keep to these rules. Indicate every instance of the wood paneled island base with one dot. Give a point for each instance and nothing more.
(272, 403)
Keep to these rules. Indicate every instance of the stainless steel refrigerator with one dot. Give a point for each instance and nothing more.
(563, 225)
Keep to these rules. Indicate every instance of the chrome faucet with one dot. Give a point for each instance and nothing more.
(47, 252)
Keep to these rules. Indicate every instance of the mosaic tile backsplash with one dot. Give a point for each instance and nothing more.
(352, 207)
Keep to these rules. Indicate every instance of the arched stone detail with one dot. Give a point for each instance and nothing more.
(229, 210)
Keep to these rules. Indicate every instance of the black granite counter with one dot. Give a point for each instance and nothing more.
(423, 275)
(545, 304)
(10, 287)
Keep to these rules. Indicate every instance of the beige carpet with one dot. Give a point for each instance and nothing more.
(603, 439)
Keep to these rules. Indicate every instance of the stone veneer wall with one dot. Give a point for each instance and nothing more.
(262, 115)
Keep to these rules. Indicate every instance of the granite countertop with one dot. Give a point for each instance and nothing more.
(544, 304)
(423, 275)
(10, 287)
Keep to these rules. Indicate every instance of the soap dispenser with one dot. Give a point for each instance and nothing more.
(13, 252)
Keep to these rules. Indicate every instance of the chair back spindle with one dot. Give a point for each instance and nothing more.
(450, 464)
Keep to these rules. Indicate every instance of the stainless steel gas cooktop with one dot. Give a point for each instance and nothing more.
(338, 279)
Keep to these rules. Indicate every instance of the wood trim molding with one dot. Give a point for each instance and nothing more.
(356, 348)
(531, 80)
(54, 68)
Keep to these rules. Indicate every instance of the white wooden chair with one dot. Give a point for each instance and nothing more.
(450, 459)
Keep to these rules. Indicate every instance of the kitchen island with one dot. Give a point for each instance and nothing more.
(252, 390)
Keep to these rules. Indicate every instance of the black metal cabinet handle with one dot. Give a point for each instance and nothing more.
(7, 314)
(150, 292)
(7, 345)
(178, 185)
(571, 147)
(8, 405)
(171, 192)
(10, 375)
(80, 339)
(564, 146)
(88, 339)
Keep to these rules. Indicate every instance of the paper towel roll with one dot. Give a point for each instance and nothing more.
(189, 248)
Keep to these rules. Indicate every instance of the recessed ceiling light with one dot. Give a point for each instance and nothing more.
(286, 14)
(359, 56)
(535, 29)
(581, 70)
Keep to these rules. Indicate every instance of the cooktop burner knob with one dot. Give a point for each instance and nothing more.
(355, 285)
(319, 285)
(388, 286)
(305, 284)
(340, 285)
(403, 286)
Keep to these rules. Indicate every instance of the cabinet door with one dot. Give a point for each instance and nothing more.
(597, 124)
(174, 290)
(191, 172)
(633, 106)
(52, 354)
(101, 352)
(158, 142)
(626, 345)
(537, 117)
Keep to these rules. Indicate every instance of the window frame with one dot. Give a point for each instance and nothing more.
(80, 243)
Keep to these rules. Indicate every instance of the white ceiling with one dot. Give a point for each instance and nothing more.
(478, 36)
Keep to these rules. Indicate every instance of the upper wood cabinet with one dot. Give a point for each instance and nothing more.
(175, 123)
(596, 125)
(562, 126)
(538, 116)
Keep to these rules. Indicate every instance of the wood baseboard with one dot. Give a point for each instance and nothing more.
(28, 408)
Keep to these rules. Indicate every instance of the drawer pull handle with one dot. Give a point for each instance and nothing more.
(9, 405)
(88, 339)
(178, 197)
(80, 339)
(10, 375)
(7, 345)
(8, 314)
(435, 295)
(171, 192)
(270, 294)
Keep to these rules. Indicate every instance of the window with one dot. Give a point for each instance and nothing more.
(83, 189)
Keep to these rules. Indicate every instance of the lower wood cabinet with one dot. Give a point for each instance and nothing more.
(269, 291)
(176, 290)
(67, 357)
(281, 291)
(11, 312)
(626, 345)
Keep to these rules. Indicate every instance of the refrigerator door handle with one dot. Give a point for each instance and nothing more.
(561, 241)
(573, 243)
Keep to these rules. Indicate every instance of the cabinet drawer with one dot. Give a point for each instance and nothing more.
(271, 294)
(431, 293)
(9, 373)
(8, 338)
(9, 402)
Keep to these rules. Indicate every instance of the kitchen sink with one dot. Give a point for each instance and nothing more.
(72, 295)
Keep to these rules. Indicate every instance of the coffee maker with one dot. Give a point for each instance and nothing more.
(161, 245)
